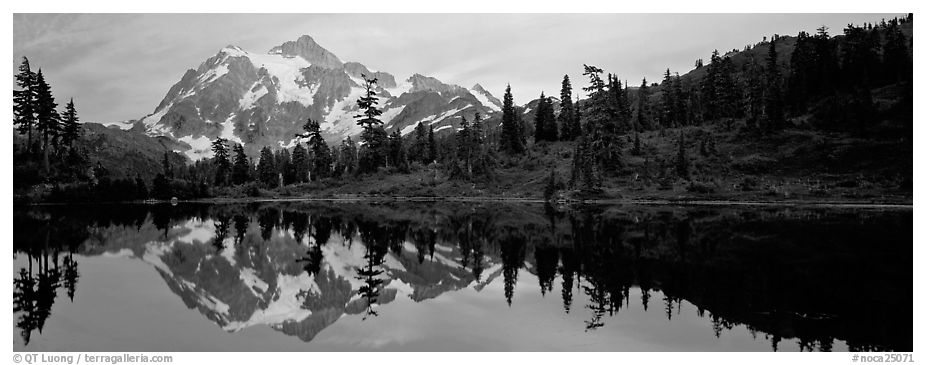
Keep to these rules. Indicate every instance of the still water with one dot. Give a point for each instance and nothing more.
(315, 276)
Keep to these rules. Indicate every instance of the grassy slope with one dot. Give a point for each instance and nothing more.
(792, 165)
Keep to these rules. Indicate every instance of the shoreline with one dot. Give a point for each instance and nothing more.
(850, 204)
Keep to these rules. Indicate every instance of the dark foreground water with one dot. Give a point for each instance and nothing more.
(303, 276)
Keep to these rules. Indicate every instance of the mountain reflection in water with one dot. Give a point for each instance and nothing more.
(825, 279)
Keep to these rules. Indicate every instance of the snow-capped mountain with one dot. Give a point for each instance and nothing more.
(261, 99)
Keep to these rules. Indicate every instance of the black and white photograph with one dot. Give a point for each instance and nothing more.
(469, 182)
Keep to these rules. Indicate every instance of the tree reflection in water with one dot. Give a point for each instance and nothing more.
(781, 273)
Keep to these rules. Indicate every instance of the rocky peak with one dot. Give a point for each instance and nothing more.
(307, 48)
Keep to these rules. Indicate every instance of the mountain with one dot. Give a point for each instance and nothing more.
(263, 99)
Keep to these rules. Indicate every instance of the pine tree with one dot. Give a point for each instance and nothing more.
(637, 149)
(221, 161)
(285, 166)
(643, 120)
(319, 154)
(512, 133)
(348, 157)
(550, 132)
(709, 83)
(241, 170)
(47, 118)
(373, 152)
(539, 120)
(668, 117)
(566, 111)
(266, 168)
(544, 120)
(300, 163)
(70, 128)
(24, 100)
(774, 117)
(478, 130)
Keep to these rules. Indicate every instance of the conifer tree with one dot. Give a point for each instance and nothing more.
(221, 161)
(266, 168)
(24, 100)
(70, 127)
(643, 120)
(47, 118)
(550, 132)
(539, 120)
(242, 168)
(478, 130)
(319, 154)
(512, 133)
(668, 117)
(373, 152)
(348, 157)
(774, 117)
(566, 111)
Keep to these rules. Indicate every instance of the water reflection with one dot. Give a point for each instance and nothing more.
(814, 276)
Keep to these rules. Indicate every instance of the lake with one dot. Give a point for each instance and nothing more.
(481, 276)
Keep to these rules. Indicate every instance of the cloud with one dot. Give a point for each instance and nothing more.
(119, 66)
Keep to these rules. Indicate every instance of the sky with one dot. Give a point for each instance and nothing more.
(119, 66)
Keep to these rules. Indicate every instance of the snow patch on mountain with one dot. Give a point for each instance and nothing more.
(286, 74)
(339, 119)
(228, 131)
(391, 113)
(256, 92)
(484, 100)
(123, 125)
(200, 147)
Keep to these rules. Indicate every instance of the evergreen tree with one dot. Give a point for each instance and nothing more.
(319, 154)
(420, 148)
(550, 132)
(566, 111)
(544, 120)
(643, 120)
(221, 161)
(348, 157)
(285, 166)
(300, 163)
(266, 168)
(24, 100)
(669, 117)
(774, 117)
(47, 118)
(512, 133)
(70, 126)
(373, 152)
(241, 170)
(397, 154)
(478, 130)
